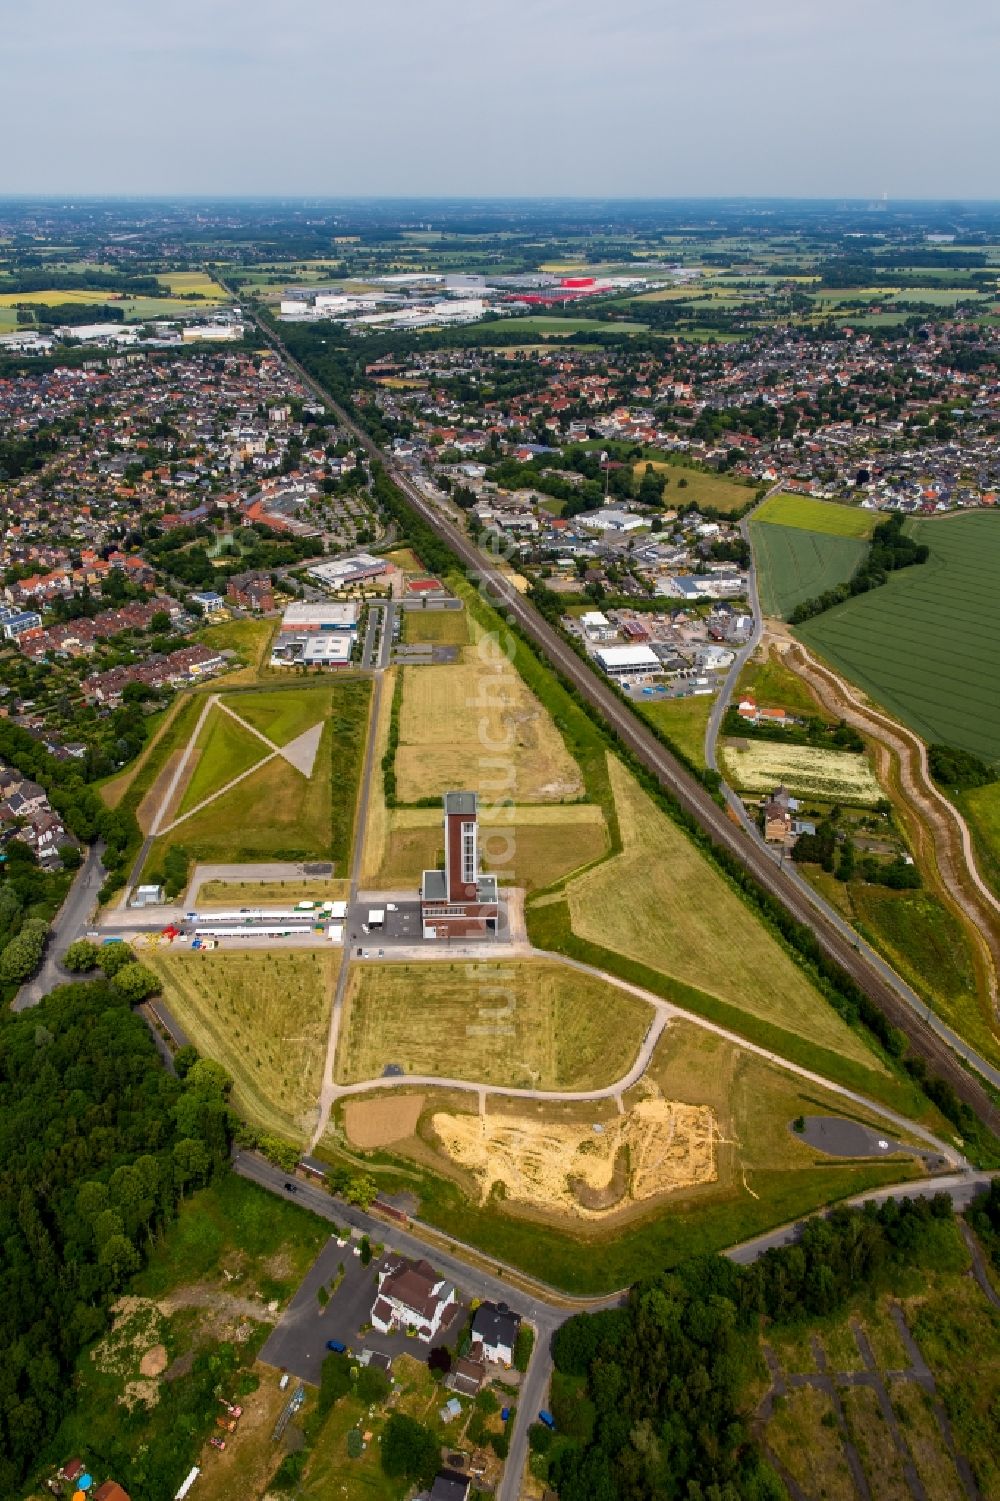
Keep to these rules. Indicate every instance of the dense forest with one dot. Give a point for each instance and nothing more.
(650, 1400)
(97, 1145)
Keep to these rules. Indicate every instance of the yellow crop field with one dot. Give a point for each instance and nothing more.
(530, 846)
(834, 776)
(529, 1024)
(662, 903)
(192, 284)
(476, 724)
(816, 515)
(263, 1017)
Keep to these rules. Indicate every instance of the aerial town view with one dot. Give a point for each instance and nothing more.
(499, 756)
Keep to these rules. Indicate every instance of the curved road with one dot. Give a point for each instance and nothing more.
(928, 1037)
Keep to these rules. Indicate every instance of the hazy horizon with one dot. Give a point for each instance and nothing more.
(650, 100)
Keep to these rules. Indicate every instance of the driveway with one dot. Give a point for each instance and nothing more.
(298, 1343)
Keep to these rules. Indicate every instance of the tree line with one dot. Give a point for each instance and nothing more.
(98, 1143)
(654, 1399)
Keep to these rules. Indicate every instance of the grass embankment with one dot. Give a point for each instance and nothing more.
(283, 714)
(527, 1024)
(223, 750)
(263, 1016)
(981, 807)
(278, 814)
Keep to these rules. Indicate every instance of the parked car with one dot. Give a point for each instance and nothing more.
(336, 1345)
(291, 1188)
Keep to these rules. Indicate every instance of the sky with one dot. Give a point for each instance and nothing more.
(644, 98)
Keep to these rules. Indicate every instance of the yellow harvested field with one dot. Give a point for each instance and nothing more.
(263, 1017)
(833, 776)
(530, 846)
(662, 903)
(524, 1024)
(378, 1123)
(658, 1147)
(476, 724)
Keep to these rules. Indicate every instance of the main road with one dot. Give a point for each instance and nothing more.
(637, 736)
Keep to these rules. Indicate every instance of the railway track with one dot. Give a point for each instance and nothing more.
(694, 799)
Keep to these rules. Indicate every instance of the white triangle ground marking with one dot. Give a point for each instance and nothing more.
(301, 752)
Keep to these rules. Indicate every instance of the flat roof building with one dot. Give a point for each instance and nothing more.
(620, 661)
(309, 616)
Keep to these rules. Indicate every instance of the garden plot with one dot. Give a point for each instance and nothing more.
(833, 776)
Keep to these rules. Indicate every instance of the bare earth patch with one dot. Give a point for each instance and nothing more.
(579, 1170)
(154, 1362)
(377, 1123)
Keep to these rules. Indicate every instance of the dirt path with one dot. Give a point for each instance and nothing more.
(939, 833)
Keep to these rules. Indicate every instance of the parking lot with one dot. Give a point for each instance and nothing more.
(298, 1342)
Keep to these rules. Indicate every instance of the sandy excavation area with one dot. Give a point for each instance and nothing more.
(656, 1147)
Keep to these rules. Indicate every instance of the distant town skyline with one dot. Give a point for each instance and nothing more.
(648, 98)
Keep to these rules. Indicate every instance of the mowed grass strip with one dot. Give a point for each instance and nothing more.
(438, 627)
(456, 719)
(794, 564)
(282, 714)
(922, 645)
(816, 515)
(531, 1025)
(263, 1016)
(223, 750)
(539, 844)
(663, 904)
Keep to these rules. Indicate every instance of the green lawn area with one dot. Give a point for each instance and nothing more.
(278, 814)
(816, 515)
(249, 639)
(682, 720)
(981, 807)
(775, 686)
(266, 1243)
(281, 715)
(794, 564)
(223, 750)
(683, 484)
(921, 645)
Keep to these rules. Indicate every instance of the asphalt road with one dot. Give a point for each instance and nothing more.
(70, 922)
(879, 982)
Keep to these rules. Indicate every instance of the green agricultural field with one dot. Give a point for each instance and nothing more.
(923, 644)
(539, 324)
(816, 515)
(794, 564)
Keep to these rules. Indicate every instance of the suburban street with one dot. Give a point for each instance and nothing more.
(546, 1314)
(69, 923)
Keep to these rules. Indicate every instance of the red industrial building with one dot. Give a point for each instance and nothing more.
(459, 901)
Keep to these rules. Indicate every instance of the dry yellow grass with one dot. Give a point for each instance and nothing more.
(378, 1123)
(530, 846)
(476, 724)
(249, 893)
(263, 1017)
(527, 1024)
(662, 903)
